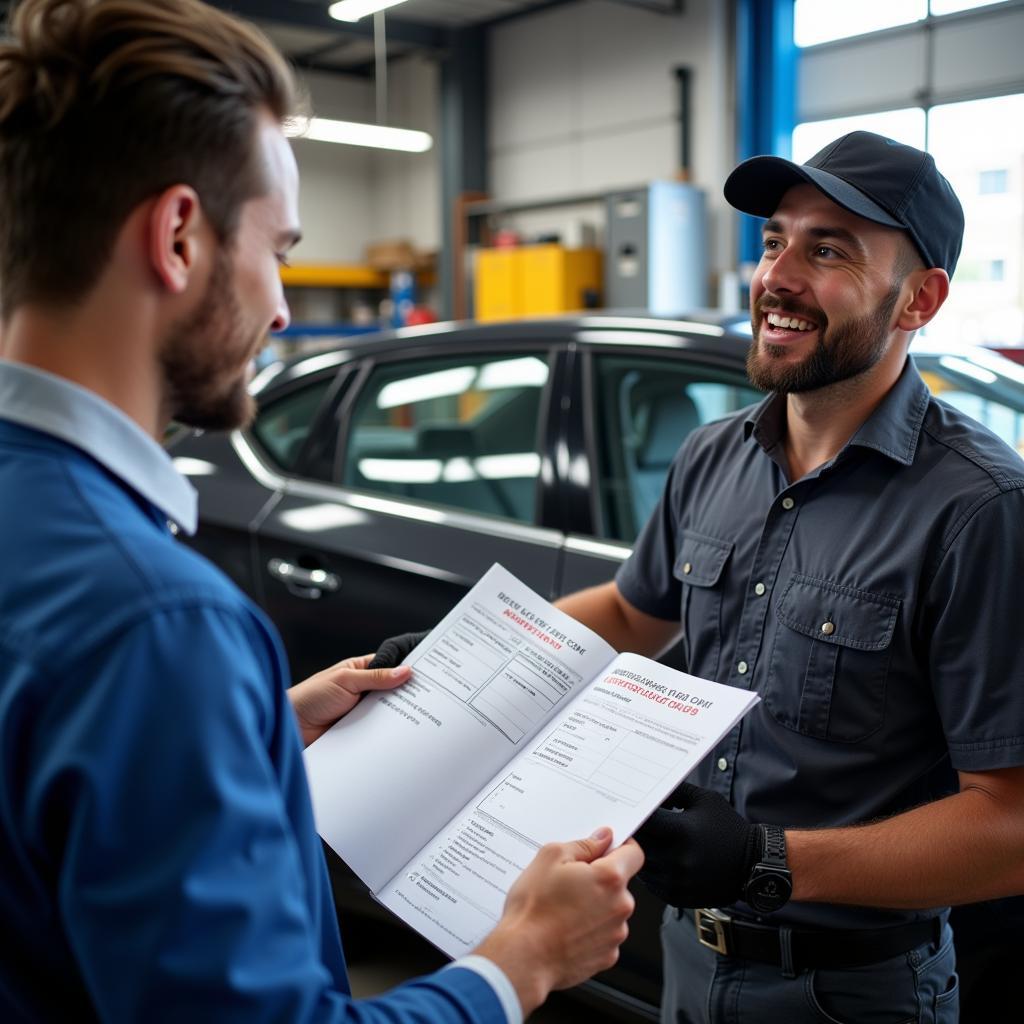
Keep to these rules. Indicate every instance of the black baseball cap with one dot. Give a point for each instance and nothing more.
(869, 175)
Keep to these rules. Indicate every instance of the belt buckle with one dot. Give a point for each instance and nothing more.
(711, 929)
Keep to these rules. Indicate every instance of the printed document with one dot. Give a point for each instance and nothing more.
(519, 727)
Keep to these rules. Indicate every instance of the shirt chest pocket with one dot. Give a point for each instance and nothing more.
(699, 566)
(830, 659)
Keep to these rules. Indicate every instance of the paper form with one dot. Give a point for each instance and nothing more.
(519, 727)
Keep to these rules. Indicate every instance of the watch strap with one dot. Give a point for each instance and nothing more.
(773, 851)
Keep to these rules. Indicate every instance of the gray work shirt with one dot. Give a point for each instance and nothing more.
(874, 605)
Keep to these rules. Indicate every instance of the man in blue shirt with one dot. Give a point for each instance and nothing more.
(158, 857)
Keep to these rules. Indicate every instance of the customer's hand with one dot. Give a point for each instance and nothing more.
(396, 649)
(565, 916)
(320, 700)
(700, 855)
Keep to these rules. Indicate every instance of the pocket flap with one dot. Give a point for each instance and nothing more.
(837, 614)
(701, 559)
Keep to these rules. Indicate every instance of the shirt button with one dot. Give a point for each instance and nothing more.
(722, 764)
(687, 568)
(828, 628)
(742, 668)
(760, 589)
(788, 503)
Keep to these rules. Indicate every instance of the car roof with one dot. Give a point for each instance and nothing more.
(706, 331)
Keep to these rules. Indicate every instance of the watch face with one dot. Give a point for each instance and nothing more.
(768, 890)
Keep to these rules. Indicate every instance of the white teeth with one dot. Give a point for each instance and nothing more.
(789, 322)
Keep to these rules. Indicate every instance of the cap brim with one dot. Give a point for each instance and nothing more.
(757, 186)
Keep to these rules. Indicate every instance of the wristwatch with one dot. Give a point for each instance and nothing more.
(771, 883)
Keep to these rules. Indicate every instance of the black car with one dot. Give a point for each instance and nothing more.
(381, 479)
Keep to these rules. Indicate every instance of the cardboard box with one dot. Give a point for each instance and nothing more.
(392, 254)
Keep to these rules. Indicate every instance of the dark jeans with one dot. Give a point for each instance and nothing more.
(702, 987)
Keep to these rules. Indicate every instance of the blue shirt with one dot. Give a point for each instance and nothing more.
(870, 604)
(158, 857)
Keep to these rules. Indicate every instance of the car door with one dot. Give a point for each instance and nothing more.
(438, 464)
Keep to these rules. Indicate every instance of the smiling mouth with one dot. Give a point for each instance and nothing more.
(783, 322)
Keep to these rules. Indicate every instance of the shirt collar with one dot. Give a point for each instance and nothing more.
(55, 406)
(893, 429)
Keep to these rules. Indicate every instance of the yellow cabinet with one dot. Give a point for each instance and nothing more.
(498, 284)
(535, 280)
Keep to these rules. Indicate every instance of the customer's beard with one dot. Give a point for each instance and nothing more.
(851, 349)
(204, 359)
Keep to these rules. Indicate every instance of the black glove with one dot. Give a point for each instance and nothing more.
(394, 650)
(700, 856)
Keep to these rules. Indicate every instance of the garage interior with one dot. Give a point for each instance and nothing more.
(471, 167)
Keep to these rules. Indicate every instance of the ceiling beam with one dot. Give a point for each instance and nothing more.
(657, 6)
(314, 15)
(525, 12)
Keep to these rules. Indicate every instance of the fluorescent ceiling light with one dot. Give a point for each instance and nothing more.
(402, 471)
(315, 518)
(513, 373)
(353, 133)
(440, 384)
(353, 10)
(512, 466)
(194, 467)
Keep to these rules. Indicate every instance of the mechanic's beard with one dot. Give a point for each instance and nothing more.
(851, 349)
(203, 359)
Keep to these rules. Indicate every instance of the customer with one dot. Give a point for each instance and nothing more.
(849, 549)
(158, 859)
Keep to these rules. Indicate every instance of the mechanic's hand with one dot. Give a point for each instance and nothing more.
(320, 700)
(396, 649)
(701, 855)
(565, 916)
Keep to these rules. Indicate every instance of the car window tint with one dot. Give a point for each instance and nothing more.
(283, 425)
(644, 408)
(988, 390)
(461, 432)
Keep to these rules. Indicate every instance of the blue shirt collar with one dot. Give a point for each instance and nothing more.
(55, 406)
(893, 429)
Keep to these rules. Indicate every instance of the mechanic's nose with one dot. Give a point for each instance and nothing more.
(784, 273)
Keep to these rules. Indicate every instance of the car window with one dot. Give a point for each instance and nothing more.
(990, 390)
(282, 426)
(461, 432)
(644, 408)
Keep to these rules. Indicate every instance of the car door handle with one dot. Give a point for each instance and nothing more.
(309, 584)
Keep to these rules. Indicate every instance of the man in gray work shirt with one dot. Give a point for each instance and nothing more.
(850, 549)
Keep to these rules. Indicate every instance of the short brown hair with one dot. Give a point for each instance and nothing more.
(105, 103)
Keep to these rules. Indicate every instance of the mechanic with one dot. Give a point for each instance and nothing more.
(158, 857)
(848, 549)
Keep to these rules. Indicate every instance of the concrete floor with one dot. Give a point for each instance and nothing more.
(379, 959)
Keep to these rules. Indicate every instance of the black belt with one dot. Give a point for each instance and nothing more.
(799, 949)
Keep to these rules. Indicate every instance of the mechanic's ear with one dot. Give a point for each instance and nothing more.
(930, 288)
